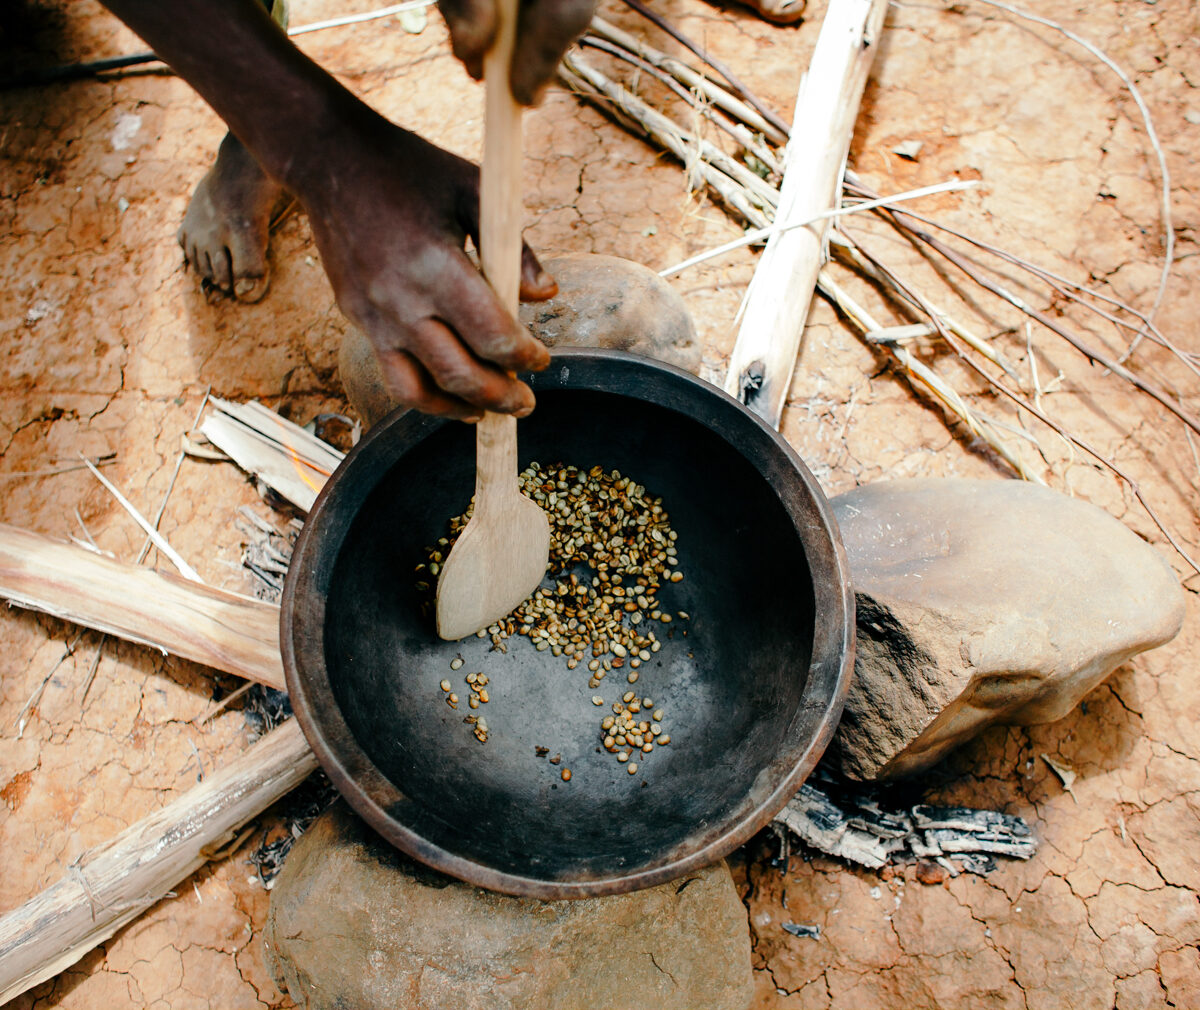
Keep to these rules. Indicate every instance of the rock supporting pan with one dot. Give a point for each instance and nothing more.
(754, 690)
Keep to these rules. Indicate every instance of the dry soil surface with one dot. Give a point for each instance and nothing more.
(108, 346)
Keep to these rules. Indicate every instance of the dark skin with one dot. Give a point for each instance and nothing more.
(390, 212)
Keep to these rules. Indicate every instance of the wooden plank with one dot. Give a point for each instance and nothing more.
(113, 883)
(781, 290)
(229, 632)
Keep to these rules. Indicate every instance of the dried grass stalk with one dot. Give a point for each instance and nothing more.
(705, 161)
(920, 373)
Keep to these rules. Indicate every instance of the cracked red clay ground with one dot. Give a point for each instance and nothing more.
(109, 346)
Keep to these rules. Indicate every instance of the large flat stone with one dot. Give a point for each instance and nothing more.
(354, 923)
(985, 601)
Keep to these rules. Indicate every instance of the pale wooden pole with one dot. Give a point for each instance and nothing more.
(224, 630)
(781, 290)
(113, 883)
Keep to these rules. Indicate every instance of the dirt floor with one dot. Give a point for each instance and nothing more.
(108, 346)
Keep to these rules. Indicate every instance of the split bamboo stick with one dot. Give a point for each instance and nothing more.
(220, 629)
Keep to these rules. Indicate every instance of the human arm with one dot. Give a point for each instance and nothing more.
(389, 211)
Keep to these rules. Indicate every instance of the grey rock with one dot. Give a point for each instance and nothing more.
(354, 923)
(981, 602)
(602, 301)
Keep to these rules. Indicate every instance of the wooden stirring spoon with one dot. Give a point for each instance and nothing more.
(501, 556)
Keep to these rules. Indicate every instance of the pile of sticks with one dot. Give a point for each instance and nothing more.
(750, 184)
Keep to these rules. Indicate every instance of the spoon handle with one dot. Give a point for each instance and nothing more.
(500, 181)
(500, 213)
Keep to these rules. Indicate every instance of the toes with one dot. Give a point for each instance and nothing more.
(251, 289)
(222, 276)
(781, 12)
(248, 263)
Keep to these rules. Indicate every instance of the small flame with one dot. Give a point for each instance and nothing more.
(303, 467)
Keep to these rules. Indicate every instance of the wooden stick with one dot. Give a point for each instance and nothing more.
(627, 108)
(1172, 403)
(151, 531)
(781, 290)
(220, 629)
(501, 556)
(918, 372)
(113, 883)
(686, 75)
(278, 452)
(778, 124)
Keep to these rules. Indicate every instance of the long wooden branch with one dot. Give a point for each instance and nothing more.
(781, 290)
(113, 883)
(220, 629)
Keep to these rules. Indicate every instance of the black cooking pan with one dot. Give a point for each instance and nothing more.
(754, 690)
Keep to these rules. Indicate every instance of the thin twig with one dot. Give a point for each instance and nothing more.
(220, 706)
(153, 537)
(87, 685)
(91, 675)
(1192, 446)
(1152, 135)
(909, 224)
(37, 691)
(355, 19)
(106, 460)
(920, 373)
(162, 507)
(704, 87)
(156, 538)
(87, 533)
(1068, 288)
(762, 234)
(630, 110)
(713, 62)
(1103, 460)
(697, 102)
(873, 268)
(1037, 412)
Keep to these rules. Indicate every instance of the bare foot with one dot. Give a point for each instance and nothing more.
(224, 233)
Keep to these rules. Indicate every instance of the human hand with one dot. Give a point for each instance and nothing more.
(545, 28)
(390, 214)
